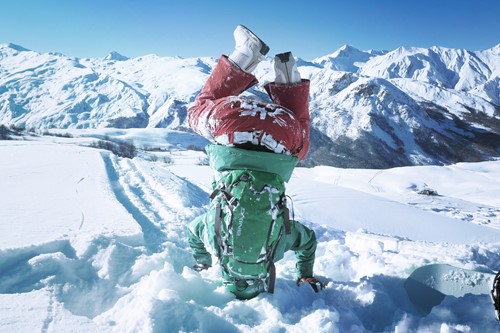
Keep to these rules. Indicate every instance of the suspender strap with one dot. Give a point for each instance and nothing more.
(218, 224)
(272, 277)
(214, 193)
(495, 294)
(286, 222)
(286, 216)
(271, 267)
(229, 198)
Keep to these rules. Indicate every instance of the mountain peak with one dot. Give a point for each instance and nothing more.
(113, 55)
(15, 47)
(495, 49)
(346, 50)
(346, 58)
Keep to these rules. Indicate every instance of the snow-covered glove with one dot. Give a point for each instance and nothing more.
(313, 282)
(200, 267)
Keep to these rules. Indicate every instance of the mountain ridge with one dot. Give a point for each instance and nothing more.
(376, 109)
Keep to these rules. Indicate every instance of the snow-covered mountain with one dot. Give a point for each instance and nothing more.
(55, 91)
(377, 109)
(409, 106)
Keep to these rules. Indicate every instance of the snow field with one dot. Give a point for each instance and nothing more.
(126, 267)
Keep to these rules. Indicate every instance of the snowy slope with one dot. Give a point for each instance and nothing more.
(410, 106)
(376, 109)
(52, 90)
(91, 242)
(460, 70)
(71, 188)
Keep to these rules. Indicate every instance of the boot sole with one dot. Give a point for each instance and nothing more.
(284, 57)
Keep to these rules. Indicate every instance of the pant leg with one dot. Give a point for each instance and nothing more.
(221, 116)
(196, 234)
(294, 97)
(225, 80)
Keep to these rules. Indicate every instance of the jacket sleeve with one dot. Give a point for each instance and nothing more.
(302, 240)
(195, 239)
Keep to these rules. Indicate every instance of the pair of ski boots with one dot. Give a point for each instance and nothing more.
(250, 50)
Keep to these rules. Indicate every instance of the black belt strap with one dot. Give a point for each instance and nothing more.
(286, 216)
(286, 222)
(227, 195)
(218, 224)
(272, 277)
(495, 294)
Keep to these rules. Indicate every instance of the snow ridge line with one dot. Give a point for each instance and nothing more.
(82, 221)
(50, 314)
(151, 231)
(87, 285)
(17, 274)
(161, 202)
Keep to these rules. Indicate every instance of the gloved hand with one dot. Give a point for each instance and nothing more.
(313, 282)
(200, 267)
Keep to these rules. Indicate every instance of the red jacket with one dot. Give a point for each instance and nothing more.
(220, 115)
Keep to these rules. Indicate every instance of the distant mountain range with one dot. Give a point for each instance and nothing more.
(369, 109)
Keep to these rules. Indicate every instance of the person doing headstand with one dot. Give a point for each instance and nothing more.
(256, 146)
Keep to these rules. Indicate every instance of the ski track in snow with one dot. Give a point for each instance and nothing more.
(50, 315)
(127, 284)
(131, 195)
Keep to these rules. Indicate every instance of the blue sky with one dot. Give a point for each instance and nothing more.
(192, 28)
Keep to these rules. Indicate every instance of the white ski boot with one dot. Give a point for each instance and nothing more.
(249, 49)
(285, 69)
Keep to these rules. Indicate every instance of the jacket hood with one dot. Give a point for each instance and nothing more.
(223, 158)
